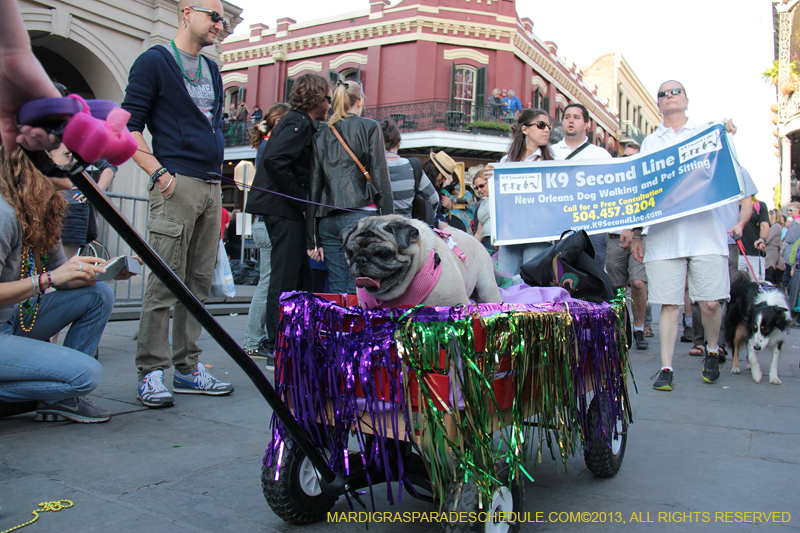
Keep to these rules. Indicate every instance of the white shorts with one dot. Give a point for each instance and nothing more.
(709, 279)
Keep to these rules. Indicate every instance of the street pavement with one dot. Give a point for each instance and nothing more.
(691, 453)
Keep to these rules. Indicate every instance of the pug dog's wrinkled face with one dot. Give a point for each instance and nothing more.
(381, 253)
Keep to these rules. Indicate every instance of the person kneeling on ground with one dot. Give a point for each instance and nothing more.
(32, 261)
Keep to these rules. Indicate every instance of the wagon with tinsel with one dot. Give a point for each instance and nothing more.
(451, 404)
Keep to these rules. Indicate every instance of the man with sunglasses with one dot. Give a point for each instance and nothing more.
(575, 145)
(695, 243)
(177, 94)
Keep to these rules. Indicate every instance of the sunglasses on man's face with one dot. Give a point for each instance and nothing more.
(215, 17)
(674, 92)
(541, 124)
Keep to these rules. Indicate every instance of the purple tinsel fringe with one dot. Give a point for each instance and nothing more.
(326, 352)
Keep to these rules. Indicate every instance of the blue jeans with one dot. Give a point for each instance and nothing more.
(33, 369)
(513, 256)
(338, 272)
(256, 334)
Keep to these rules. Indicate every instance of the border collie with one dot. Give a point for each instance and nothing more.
(759, 316)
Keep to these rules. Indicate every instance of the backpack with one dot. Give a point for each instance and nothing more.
(570, 264)
(421, 208)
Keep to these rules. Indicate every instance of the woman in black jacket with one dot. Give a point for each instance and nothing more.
(337, 181)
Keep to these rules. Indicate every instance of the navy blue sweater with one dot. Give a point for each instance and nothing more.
(184, 141)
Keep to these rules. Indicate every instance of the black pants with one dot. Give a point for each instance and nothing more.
(291, 270)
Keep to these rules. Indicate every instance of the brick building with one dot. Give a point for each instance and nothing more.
(429, 64)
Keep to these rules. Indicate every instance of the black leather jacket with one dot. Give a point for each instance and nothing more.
(336, 179)
(285, 168)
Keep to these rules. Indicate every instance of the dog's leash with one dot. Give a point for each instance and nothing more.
(740, 244)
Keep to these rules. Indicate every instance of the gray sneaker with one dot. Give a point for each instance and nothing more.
(199, 382)
(641, 342)
(153, 392)
(79, 409)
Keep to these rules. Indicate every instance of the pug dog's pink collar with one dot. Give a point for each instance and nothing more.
(419, 288)
(451, 243)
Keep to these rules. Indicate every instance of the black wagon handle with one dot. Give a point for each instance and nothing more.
(332, 482)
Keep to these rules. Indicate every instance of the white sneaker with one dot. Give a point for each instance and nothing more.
(153, 392)
(199, 382)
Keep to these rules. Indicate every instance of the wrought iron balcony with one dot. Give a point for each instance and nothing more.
(238, 133)
(445, 115)
(428, 115)
(630, 131)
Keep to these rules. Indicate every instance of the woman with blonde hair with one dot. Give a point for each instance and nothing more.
(32, 262)
(350, 176)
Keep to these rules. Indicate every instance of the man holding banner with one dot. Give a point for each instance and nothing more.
(696, 242)
(575, 146)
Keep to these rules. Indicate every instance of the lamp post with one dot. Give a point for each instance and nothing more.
(243, 175)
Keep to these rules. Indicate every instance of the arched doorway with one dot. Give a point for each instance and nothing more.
(81, 69)
(61, 71)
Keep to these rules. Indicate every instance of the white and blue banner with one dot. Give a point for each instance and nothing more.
(535, 202)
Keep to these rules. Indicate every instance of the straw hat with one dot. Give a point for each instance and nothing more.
(444, 163)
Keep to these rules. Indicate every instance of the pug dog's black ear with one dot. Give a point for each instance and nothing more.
(344, 235)
(404, 233)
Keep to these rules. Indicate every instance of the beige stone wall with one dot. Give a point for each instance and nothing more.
(601, 74)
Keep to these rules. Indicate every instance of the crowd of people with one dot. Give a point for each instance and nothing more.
(320, 166)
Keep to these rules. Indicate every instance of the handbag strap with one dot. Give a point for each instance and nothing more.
(577, 150)
(349, 151)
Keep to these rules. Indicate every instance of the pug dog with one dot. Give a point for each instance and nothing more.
(390, 258)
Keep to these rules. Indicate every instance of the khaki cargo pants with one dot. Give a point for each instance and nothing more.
(184, 230)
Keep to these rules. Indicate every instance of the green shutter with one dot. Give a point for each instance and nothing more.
(480, 94)
(546, 104)
(333, 76)
(453, 82)
(287, 92)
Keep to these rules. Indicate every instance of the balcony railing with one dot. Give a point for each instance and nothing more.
(238, 133)
(443, 115)
(631, 131)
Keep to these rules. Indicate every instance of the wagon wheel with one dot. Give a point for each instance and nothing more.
(601, 459)
(296, 496)
(505, 499)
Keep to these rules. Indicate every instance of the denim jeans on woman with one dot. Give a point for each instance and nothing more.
(33, 369)
(512, 256)
(256, 335)
(329, 229)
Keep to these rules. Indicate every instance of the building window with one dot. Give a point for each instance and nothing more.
(287, 89)
(464, 89)
(560, 114)
(619, 106)
(537, 99)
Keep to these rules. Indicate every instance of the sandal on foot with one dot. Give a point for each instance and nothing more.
(698, 350)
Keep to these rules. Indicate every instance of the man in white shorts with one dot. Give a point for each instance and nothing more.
(697, 243)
